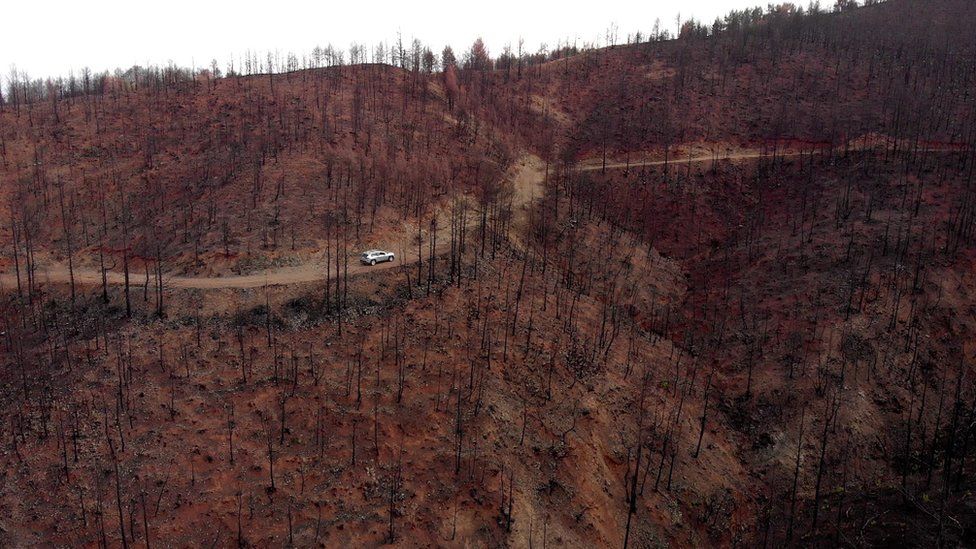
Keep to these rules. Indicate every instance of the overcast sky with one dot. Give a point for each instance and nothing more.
(51, 37)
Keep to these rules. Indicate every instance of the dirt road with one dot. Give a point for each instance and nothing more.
(309, 272)
(748, 154)
(679, 161)
(527, 177)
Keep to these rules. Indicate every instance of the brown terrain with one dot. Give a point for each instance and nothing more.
(709, 290)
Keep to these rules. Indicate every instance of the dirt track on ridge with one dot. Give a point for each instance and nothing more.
(527, 179)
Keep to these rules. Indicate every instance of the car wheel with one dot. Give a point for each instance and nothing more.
(391, 258)
(372, 262)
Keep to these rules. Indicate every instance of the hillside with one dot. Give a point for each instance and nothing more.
(709, 291)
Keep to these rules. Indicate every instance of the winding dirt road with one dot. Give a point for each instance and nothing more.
(527, 177)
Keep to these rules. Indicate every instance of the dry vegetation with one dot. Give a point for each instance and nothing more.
(709, 291)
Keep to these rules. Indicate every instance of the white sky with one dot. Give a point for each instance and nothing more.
(46, 38)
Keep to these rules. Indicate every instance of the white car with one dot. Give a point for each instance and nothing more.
(372, 257)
